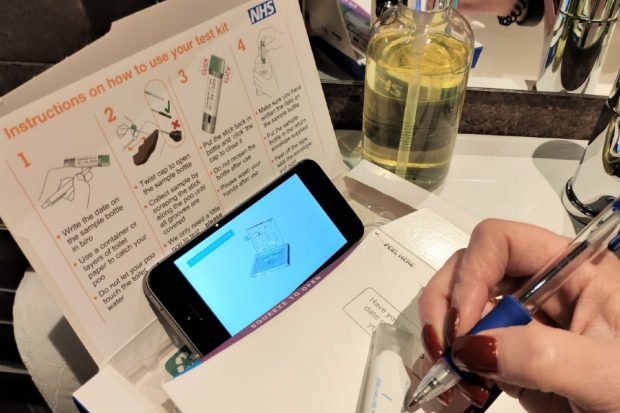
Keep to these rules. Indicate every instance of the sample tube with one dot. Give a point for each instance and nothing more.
(87, 161)
(214, 87)
(387, 380)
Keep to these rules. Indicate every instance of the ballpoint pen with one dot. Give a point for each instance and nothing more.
(63, 190)
(603, 233)
(66, 188)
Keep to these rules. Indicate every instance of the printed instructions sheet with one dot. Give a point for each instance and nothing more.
(106, 176)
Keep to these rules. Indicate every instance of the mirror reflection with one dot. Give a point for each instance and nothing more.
(546, 45)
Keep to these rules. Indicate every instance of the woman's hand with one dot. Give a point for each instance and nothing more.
(567, 359)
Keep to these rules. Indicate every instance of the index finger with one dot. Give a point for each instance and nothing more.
(464, 284)
(496, 249)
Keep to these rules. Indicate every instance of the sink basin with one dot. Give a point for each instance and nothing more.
(513, 178)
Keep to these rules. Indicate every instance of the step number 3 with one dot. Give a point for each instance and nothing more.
(183, 76)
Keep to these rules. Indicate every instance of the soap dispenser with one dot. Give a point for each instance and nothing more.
(417, 64)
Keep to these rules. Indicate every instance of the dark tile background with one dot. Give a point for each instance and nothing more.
(34, 35)
(490, 111)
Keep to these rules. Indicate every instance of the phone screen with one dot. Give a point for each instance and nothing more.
(262, 255)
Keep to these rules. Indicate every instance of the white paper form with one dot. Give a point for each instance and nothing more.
(112, 172)
(311, 357)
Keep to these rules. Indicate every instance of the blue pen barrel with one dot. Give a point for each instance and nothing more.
(509, 312)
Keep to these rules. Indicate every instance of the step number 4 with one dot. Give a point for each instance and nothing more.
(24, 159)
(241, 45)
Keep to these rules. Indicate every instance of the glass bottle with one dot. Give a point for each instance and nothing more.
(379, 6)
(417, 64)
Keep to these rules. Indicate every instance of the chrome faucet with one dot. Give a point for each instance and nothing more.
(597, 180)
(576, 44)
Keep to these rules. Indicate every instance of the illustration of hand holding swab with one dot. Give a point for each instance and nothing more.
(143, 141)
(72, 181)
(131, 129)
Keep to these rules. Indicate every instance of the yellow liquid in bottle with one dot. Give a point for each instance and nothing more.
(411, 132)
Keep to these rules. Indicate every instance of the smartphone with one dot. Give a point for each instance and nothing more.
(253, 258)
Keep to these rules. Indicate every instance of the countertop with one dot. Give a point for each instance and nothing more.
(516, 178)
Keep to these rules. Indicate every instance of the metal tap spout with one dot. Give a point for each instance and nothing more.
(576, 44)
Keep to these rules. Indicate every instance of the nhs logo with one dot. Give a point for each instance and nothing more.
(261, 11)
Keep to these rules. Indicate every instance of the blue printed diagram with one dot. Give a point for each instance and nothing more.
(272, 253)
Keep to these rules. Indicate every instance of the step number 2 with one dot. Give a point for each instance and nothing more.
(24, 159)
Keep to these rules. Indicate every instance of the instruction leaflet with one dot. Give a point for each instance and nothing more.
(109, 174)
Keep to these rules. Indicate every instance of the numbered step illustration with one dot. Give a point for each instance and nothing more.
(217, 73)
(265, 76)
(71, 182)
(224, 125)
(210, 77)
(147, 127)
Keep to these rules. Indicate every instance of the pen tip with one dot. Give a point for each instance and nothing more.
(413, 402)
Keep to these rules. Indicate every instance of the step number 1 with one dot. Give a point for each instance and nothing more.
(24, 159)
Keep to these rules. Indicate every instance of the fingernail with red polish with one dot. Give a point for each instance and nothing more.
(452, 320)
(477, 354)
(446, 397)
(475, 392)
(431, 342)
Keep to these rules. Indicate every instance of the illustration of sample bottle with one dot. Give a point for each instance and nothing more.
(87, 161)
(217, 65)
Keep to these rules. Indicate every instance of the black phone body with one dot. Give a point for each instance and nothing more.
(254, 257)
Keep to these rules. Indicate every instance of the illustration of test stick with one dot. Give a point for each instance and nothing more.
(265, 81)
(66, 185)
(87, 161)
(217, 65)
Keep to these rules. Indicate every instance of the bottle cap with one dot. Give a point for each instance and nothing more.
(104, 160)
(217, 64)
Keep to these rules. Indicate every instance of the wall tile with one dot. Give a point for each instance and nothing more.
(14, 74)
(42, 30)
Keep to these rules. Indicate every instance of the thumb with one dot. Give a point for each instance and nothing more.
(81, 189)
(543, 358)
